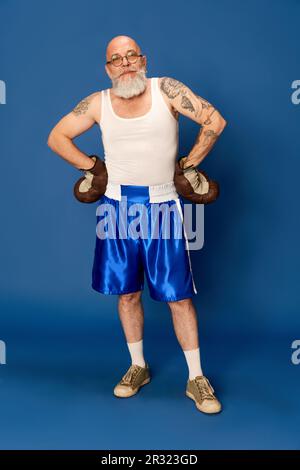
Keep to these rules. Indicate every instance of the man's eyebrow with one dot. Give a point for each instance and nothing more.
(117, 53)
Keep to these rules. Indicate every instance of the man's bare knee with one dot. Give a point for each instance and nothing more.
(132, 297)
(180, 303)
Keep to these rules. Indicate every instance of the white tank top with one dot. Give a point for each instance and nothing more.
(141, 150)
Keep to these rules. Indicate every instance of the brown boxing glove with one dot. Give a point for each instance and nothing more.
(194, 184)
(90, 187)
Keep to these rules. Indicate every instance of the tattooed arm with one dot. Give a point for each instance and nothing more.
(80, 119)
(184, 101)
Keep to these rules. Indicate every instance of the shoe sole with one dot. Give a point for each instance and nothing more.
(191, 396)
(135, 391)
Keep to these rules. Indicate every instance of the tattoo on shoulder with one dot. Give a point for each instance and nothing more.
(83, 105)
(173, 88)
(195, 103)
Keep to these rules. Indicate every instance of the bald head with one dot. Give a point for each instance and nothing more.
(121, 43)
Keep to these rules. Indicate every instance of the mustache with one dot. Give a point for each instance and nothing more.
(126, 71)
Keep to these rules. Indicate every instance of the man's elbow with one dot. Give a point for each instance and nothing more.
(54, 139)
(222, 124)
(51, 139)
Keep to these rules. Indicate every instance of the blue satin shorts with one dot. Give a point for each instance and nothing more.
(121, 258)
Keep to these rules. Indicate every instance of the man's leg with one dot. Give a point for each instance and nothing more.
(186, 329)
(132, 319)
(185, 324)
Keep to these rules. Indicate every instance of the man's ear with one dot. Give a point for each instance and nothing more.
(107, 70)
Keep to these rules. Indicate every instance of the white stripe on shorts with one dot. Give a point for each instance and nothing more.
(186, 242)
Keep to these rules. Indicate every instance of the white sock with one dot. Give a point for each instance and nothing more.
(193, 361)
(136, 353)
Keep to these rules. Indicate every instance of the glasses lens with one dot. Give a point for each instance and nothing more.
(116, 60)
(132, 57)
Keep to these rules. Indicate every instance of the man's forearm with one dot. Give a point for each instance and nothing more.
(206, 139)
(65, 148)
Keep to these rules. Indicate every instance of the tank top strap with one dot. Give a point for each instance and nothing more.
(104, 103)
(155, 90)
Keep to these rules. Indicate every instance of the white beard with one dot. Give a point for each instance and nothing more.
(127, 87)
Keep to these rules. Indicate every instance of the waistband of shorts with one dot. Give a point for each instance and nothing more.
(153, 193)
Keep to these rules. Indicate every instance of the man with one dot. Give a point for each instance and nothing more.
(138, 117)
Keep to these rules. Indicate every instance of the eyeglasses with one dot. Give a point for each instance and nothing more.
(131, 57)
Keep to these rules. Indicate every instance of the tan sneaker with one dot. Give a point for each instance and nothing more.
(132, 381)
(200, 390)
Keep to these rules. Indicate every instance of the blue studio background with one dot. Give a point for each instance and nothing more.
(65, 347)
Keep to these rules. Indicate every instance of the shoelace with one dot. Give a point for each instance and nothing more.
(130, 375)
(205, 389)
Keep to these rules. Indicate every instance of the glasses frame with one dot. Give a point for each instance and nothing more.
(122, 57)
